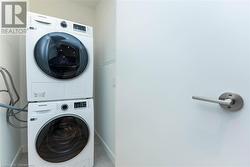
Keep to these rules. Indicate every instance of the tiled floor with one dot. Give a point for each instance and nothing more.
(101, 158)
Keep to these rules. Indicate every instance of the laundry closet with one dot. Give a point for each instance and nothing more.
(171, 82)
(99, 15)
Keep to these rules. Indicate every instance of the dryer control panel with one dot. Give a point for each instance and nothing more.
(78, 27)
(38, 21)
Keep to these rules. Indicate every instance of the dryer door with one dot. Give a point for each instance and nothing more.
(61, 55)
(62, 139)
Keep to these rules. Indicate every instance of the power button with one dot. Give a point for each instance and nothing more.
(64, 24)
(64, 107)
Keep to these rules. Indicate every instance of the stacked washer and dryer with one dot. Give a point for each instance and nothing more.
(59, 61)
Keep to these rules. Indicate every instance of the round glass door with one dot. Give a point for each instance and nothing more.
(61, 55)
(62, 139)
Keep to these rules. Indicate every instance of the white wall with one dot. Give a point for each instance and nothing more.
(105, 74)
(105, 22)
(10, 137)
(23, 90)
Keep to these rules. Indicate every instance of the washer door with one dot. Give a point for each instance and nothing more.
(61, 55)
(62, 139)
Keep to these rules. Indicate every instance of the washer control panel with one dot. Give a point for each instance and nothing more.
(80, 104)
(43, 109)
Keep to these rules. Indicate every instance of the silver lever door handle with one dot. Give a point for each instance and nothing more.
(228, 101)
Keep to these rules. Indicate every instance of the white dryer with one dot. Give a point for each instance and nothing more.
(59, 59)
(61, 134)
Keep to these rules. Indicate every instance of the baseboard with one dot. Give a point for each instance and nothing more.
(110, 153)
(17, 157)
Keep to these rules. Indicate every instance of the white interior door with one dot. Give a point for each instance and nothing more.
(169, 51)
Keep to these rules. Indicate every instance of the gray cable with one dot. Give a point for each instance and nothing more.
(12, 107)
(13, 99)
(19, 119)
(16, 113)
(25, 107)
(9, 121)
(3, 71)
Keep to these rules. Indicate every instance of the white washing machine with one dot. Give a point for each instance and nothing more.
(59, 59)
(61, 134)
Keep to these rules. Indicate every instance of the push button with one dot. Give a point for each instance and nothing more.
(64, 24)
(64, 107)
